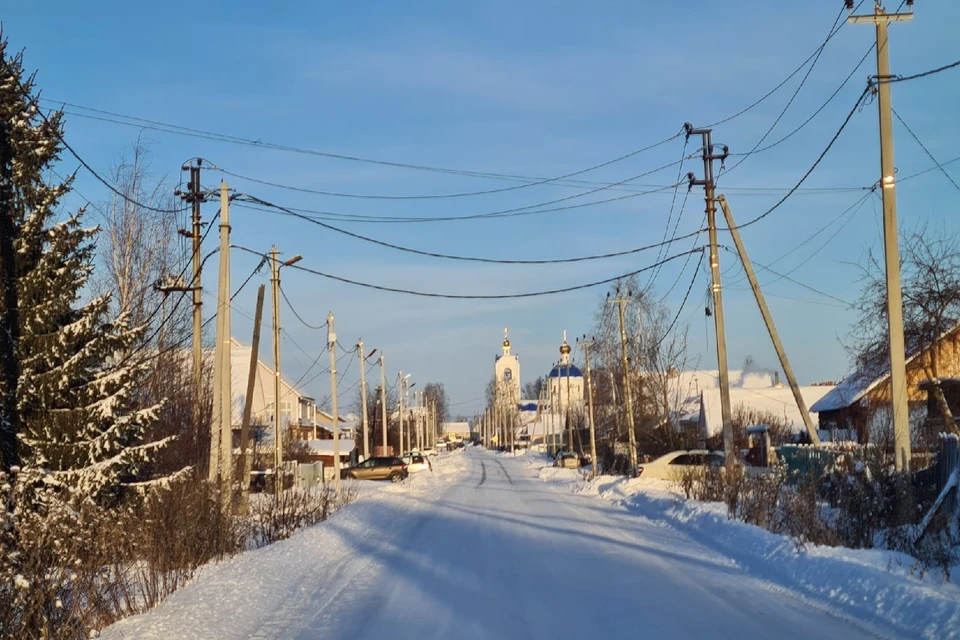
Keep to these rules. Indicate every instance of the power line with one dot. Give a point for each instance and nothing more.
(925, 150)
(535, 183)
(55, 130)
(816, 163)
(796, 92)
(433, 254)
(298, 316)
(696, 272)
(922, 74)
(475, 297)
(786, 277)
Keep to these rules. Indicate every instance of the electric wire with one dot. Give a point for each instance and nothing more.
(784, 277)
(673, 323)
(448, 195)
(450, 296)
(298, 316)
(925, 150)
(446, 256)
(809, 171)
(922, 74)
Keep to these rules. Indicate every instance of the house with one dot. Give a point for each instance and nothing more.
(296, 408)
(776, 400)
(456, 430)
(322, 451)
(852, 404)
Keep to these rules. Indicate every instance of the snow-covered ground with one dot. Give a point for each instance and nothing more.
(483, 547)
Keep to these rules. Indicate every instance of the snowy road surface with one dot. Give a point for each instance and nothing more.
(484, 549)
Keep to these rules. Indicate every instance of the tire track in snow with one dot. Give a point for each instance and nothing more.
(509, 479)
(483, 474)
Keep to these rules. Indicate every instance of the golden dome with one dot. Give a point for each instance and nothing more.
(564, 348)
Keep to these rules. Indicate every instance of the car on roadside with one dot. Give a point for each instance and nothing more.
(675, 464)
(377, 468)
(416, 462)
(429, 452)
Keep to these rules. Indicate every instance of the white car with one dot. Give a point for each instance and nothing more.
(416, 462)
(670, 466)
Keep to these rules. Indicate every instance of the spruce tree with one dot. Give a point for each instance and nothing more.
(79, 425)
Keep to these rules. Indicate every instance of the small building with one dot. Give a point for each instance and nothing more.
(776, 400)
(322, 451)
(456, 431)
(852, 404)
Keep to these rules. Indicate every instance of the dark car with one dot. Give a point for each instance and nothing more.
(378, 468)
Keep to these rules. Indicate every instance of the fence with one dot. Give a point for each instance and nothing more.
(307, 475)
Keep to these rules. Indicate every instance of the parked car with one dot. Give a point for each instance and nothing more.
(429, 452)
(378, 468)
(416, 461)
(566, 460)
(671, 465)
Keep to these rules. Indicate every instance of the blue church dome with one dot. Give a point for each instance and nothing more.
(561, 371)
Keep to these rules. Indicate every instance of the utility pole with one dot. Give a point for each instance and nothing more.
(383, 403)
(593, 434)
(9, 335)
(708, 185)
(627, 393)
(275, 267)
(898, 368)
(400, 409)
(768, 320)
(195, 197)
(332, 348)
(246, 457)
(221, 433)
(363, 393)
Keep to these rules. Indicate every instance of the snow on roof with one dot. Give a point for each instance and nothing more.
(456, 427)
(858, 384)
(778, 400)
(325, 447)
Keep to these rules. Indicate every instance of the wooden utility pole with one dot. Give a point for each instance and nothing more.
(400, 411)
(383, 403)
(246, 457)
(363, 393)
(332, 348)
(888, 183)
(768, 320)
(10, 331)
(593, 434)
(708, 185)
(627, 393)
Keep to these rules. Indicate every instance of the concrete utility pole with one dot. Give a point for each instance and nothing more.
(10, 423)
(383, 404)
(275, 267)
(569, 417)
(332, 348)
(363, 402)
(247, 456)
(221, 434)
(593, 434)
(768, 320)
(898, 367)
(277, 440)
(627, 393)
(400, 380)
(708, 186)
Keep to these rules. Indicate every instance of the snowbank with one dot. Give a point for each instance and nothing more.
(873, 587)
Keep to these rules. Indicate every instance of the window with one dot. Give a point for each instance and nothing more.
(715, 460)
(368, 464)
(507, 374)
(687, 459)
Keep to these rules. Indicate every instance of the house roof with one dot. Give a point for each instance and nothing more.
(858, 384)
(456, 427)
(325, 447)
(777, 400)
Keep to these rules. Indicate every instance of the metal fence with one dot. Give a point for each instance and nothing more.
(307, 475)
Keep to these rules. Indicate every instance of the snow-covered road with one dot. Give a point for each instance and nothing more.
(483, 549)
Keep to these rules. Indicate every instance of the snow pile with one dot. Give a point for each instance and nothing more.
(872, 586)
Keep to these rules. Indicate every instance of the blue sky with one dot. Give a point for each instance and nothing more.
(534, 89)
